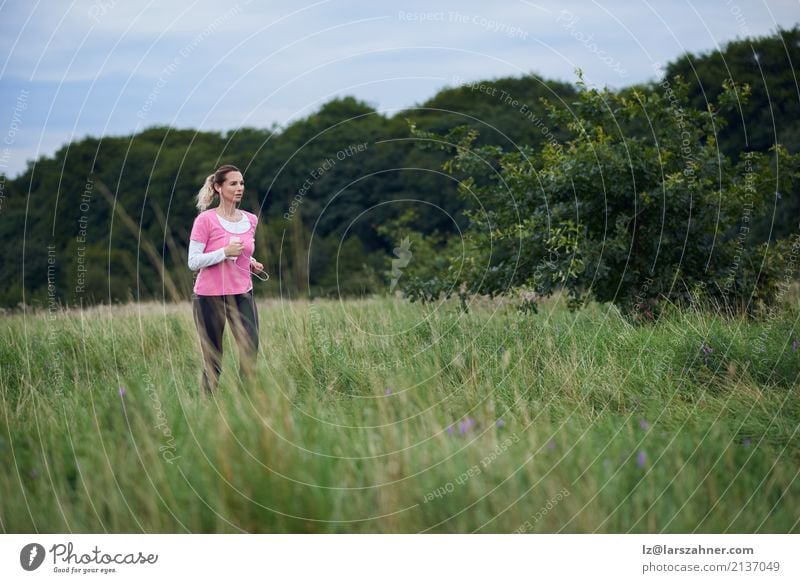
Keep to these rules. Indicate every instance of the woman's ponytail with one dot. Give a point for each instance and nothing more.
(206, 194)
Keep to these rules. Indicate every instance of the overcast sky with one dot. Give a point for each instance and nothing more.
(111, 67)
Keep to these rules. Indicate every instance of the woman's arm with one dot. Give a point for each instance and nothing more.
(199, 260)
(255, 265)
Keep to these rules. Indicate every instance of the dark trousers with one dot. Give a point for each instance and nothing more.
(210, 314)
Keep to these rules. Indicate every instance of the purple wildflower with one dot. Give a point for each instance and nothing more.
(706, 350)
(746, 442)
(122, 391)
(551, 444)
(462, 427)
(641, 458)
(644, 424)
(499, 423)
(449, 430)
(388, 391)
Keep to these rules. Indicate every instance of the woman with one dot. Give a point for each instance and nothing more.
(221, 248)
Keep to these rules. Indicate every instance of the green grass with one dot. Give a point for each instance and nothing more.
(606, 426)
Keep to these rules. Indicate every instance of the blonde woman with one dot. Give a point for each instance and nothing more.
(221, 249)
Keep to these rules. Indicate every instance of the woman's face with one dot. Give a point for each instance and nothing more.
(232, 189)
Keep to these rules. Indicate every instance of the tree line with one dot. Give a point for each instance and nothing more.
(522, 185)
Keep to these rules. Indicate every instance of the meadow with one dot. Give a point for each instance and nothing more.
(380, 415)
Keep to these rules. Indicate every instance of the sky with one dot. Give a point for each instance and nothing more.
(115, 67)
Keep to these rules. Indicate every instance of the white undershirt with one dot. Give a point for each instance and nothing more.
(199, 260)
(239, 226)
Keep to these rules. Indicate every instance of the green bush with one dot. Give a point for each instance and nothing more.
(637, 207)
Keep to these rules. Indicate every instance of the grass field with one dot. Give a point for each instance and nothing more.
(385, 416)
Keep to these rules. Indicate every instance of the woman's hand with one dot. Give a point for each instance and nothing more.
(234, 249)
(256, 266)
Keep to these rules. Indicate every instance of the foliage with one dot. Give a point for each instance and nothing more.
(766, 65)
(770, 115)
(615, 214)
(152, 177)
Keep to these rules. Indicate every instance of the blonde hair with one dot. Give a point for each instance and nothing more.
(206, 194)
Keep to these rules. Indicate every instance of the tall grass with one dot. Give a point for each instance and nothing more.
(384, 416)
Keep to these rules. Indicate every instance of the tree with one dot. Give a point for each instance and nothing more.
(614, 213)
(770, 115)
